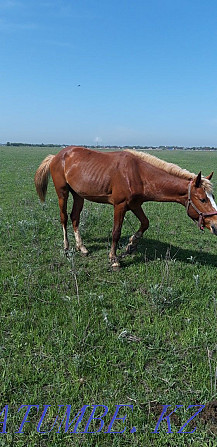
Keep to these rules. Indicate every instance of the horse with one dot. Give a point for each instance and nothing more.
(124, 179)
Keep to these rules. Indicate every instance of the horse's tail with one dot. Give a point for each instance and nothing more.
(42, 176)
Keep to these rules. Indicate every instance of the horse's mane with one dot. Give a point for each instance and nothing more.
(171, 168)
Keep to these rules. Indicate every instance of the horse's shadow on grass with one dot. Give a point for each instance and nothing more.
(151, 249)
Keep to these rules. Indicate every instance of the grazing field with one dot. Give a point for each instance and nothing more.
(75, 333)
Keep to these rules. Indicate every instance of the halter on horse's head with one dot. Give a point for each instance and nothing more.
(206, 211)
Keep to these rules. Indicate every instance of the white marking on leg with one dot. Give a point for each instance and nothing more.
(135, 237)
(78, 239)
(65, 239)
(133, 241)
(79, 243)
(111, 255)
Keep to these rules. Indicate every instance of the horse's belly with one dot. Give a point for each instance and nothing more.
(99, 199)
(90, 184)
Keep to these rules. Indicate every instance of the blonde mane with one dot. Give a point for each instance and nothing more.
(171, 168)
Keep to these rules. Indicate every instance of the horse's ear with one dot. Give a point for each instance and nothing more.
(209, 176)
(198, 180)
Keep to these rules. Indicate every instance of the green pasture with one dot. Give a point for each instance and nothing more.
(73, 332)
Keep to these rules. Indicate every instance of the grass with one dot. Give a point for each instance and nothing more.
(75, 333)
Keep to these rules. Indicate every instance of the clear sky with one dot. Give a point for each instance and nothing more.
(124, 72)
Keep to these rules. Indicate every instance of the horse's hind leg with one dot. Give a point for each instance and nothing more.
(75, 218)
(63, 194)
(133, 241)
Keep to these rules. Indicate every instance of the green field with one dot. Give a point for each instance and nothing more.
(73, 332)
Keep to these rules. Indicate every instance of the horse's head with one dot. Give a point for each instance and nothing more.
(201, 205)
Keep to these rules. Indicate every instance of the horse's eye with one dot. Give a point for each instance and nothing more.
(203, 200)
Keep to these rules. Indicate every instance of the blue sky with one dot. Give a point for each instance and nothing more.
(147, 71)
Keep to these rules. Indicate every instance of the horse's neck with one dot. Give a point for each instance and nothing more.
(165, 187)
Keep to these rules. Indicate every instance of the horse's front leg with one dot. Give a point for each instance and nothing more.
(133, 241)
(119, 213)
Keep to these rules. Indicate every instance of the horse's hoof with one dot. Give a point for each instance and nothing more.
(115, 266)
(84, 251)
(66, 251)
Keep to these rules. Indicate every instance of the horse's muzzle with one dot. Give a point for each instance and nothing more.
(214, 229)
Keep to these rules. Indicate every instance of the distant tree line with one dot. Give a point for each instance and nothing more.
(194, 148)
(31, 145)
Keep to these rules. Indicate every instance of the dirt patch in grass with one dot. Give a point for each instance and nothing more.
(156, 410)
(208, 416)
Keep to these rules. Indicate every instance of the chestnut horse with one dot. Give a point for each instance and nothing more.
(124, 179)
